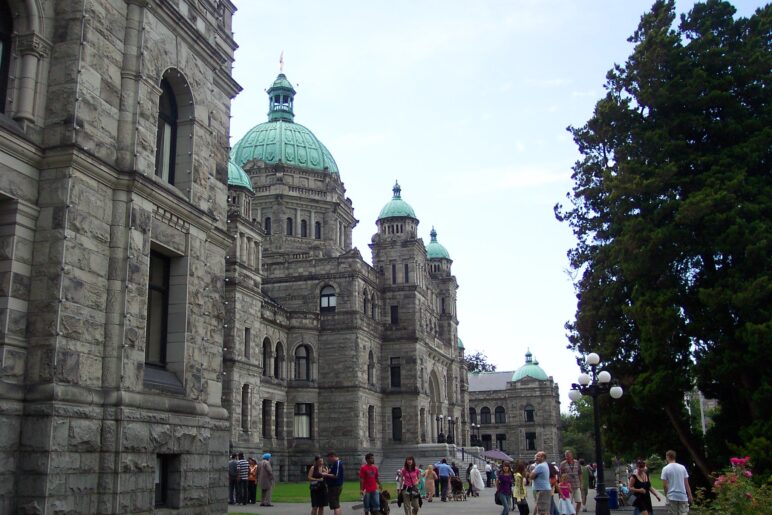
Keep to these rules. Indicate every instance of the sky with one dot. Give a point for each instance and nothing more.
(466, 104)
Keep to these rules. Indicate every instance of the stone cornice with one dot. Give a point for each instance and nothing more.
(33, 44)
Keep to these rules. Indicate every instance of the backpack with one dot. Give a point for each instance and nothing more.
(233, 469)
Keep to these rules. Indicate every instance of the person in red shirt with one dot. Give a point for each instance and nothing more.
(369, 484)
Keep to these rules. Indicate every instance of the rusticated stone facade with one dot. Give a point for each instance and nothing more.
(87, 201)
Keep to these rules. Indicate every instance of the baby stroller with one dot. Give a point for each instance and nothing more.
(457, 489)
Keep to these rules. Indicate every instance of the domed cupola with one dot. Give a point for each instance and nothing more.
(238, 178)
(396, 207)
(280, 139)
(530, 369)
(435, 250)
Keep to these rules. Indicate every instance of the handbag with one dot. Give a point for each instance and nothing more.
(496, 497)
(522, 506)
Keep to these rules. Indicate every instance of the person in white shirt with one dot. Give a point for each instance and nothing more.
(675, 482)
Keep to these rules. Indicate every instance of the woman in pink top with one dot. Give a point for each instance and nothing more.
(410, 475)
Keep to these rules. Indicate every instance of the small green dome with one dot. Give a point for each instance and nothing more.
(435, 250)
(280, 139)
(238, 177)
(460, 344)
(397, 208)
(530, 369)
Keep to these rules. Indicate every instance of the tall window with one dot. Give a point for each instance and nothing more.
(267, 226)
(396, 424)
(266, 357)
(394, 315)
(366, 303)
(327, 300)
(407, 273)
(500, 415)
(6, 30)
(290, 226)
(501, 440)
(303, 229)
(302, 364)
(371, 422)
(318, 230)
(370, 369)
(395, 373)
(485, 415)
(393, 273)
(247, 342)
(442, 305)
(303, 414)
(278, 361)
(266, 414)
(530, 441)
(245, 408)
(278, 428)
(529, 414)
(157, 310)
(472, 416)
(486, 441)
(166, 137)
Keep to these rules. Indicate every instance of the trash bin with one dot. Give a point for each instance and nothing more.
(613, 499)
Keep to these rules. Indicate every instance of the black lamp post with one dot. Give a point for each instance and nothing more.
(595, 384)
(440, 435)
(450, 430)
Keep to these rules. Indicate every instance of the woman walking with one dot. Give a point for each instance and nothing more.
(422, 481)
(477, 481)
(430, 476)
(504, 481)
(520, 493)
(411, 499)
(640, 486)
(316, 474)
(252, 478)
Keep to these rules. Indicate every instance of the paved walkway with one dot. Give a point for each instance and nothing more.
(482, 505)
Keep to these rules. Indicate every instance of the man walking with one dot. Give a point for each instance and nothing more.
(233, 478)
(585, 482)
(573, 470)
(541, 484)
(265, 480)
(369, 484)
(334, 480)
(445, 472)
(488, 474)
(243, 489)
(675, 482)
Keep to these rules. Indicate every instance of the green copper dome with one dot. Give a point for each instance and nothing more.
(238, 177)
(435, 250)
(280, 139)
(397, 208)
(530, 369)
(460, 344)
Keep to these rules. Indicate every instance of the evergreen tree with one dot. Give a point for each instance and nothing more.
(672, 210)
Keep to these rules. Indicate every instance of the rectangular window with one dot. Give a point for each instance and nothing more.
(486, 441)
(394, 315)
(245, 402)
(371, 422)
(407, 273)
(303, 413)
(278, 429)
(396, 424)
(501, 440)
(530, 441)
(393, 273)
(266, 415)
(247, 342)
(157, 310)
(396, 373)
(442, 305)
(318, 230)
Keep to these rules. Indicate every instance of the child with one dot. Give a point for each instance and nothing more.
(564, 487)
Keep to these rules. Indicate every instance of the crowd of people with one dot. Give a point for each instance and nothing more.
(557, 488)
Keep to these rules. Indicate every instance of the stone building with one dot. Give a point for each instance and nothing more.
(517, 412)
(323, 350)
(114, 130)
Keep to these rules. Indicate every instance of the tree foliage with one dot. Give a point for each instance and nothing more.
(576, 428)
(478, 362)
(671, 207)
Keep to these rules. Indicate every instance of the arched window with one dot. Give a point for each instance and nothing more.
(266, 357)
(278, 361)
(485, 415)
(373, 308)
(529, 414)
(327, 300)
(366, 303)
(6, 30)
(290, 226)
(303, 229)
(245, 408)
(318, 230)
(302, 363)
(370, 369)
(472, 416)
(166, 137)
(500, 416)
(267, 226)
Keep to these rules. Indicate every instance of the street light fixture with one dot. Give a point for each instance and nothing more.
(595, 384)
(449, 439)
(440, 435)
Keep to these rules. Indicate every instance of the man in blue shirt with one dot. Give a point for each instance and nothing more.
(334, 480)
(445, 473)
(541, 484)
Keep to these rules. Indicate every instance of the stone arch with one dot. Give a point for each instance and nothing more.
(184, 128)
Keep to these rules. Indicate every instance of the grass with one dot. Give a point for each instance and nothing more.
(299, 492)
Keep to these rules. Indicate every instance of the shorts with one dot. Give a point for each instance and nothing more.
(333, 496)
(319, 497)
(576, 495)
(372, 501)
(543, 500)
(677, 507)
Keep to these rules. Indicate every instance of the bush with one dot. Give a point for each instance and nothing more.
(736, 493)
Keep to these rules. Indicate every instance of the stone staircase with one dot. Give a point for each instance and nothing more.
(429, 454)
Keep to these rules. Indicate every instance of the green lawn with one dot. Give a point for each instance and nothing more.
(299, 492)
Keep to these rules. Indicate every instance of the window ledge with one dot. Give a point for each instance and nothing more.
(162, 380)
